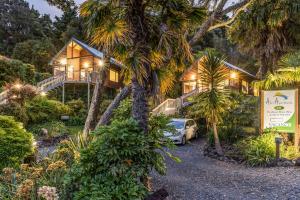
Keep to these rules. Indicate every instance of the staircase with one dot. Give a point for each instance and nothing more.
(43, 86)
(172, 106)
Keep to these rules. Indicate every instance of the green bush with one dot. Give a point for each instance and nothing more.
(261, 150)
(54, 128)
(78, 112)
(114, 163)
(16, 110)
(15, 142)
(41, 109)
(12, 70)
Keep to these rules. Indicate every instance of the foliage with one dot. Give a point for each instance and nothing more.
(261, 150)
(54, 128)
(35, 52)
(41, 109)
(12, 70)
(21, 23)
(77, 112)
(113, 164)
(213, 101)
(16, 110)
(149, 39)
(20, 93)
(15, 142)
(287, 76)
(272, 29)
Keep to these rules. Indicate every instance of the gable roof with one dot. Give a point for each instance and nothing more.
(88, 48)
(229, 65)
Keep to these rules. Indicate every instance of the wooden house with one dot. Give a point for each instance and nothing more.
(81, 63)
(238, 79)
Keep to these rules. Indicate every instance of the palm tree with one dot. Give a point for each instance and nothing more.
(267, 30)
(145, 36)
(213, 101)
(287, 76)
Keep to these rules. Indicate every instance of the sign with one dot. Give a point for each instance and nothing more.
(279, 110)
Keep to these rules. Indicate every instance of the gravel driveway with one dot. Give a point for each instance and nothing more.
(198, 177)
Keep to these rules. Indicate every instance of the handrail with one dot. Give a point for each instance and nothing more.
(3, 96)
(164, 106)
(191, 93)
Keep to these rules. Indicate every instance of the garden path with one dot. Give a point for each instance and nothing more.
(199, 177)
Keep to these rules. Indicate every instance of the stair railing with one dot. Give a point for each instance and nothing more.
(3, 96)
(51, 82)
(166, 107)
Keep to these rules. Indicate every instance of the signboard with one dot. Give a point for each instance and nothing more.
(279, 110)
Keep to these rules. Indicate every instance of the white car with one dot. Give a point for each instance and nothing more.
(186, 129)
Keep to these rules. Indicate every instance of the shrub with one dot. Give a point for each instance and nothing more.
(41, 109)
(78, 112)
(54, 128)
(16, 110)
(12, 70)
(260, 150)
(114, 163)
(15, 142)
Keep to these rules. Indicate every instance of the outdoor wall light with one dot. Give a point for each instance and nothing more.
(43, 94)
(193, 76)
(101, 63)
(86, 65)
(63, 61)
(233, 75)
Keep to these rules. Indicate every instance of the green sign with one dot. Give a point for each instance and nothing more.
(279, 110)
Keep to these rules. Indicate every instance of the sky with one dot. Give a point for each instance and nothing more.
(44, 8)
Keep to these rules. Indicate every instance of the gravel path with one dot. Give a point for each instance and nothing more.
(198, 177)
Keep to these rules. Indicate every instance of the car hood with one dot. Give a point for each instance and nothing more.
(168, 134)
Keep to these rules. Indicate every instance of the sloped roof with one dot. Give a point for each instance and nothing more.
(229, 65)
(88, 48)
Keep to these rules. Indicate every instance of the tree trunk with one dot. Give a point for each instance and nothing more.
(139, 104)
(91, 119)
(216, 139)
(105, 118)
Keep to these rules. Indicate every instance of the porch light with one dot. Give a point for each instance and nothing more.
(101, 63)
(63, 61)
(193, 76)
(86, 65)
(233, 75)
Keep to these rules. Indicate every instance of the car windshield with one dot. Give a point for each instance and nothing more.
(177, 124)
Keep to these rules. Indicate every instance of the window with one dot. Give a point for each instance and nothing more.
(189, 86)
(113, 75)
(245, 87)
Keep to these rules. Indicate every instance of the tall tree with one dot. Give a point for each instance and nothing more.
(267, 30)
(19, 22)
(144, 36)
(212, 102)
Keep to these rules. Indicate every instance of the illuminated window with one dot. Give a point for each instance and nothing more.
(113, 76)
(189, 86)
(245, 86)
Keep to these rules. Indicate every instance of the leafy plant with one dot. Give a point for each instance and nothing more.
(261, 150)
(54, 128)
(41, 109)
(15, 142)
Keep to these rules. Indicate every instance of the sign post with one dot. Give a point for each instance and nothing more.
(279, 111)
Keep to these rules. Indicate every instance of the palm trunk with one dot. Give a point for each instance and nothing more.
(91, 119)
(216, 139)
(107, 115)
(140, 104)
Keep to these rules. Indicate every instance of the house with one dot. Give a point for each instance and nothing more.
(79, 61)
(238, 79)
